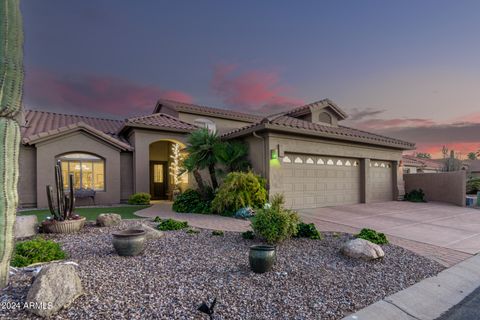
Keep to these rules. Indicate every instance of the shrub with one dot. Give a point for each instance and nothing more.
(36, 250)
(172, 224)
(240, 190)
(139, 198)
(157, 219)
(308, 230)
(191, 201)
(473, 185)
(248, 235)
(275, 223)
(372, 236)
(218, 233)
(415, 196)
(192, 231)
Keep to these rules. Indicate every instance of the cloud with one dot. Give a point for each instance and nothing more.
(253, 90)
(359, 114)
(94, 93)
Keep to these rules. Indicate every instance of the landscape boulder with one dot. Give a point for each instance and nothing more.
(151, 233)
(362, 249)
(108, 219)
(26, 226)
(55, 287)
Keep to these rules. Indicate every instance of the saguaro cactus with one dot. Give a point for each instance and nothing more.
(65, 202)
(11, 86)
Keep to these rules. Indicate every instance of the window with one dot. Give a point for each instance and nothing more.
(348, 163)
(286, 160)
(330, 162)
(339, 163)
(206, 123)
(298, 160)
(325, 118)
(88, 171)
(309, 161)
(320, 161)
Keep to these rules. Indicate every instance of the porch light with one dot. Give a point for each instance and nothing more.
(274, 154)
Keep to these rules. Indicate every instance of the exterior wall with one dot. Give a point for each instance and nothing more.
(474, 174)
(126, 175)
(223, 125)
(320, 147)
(257, 153)
(447, 187)
(27, 183)
(48, 151)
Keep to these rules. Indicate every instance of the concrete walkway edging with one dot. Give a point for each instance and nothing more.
(429, 298)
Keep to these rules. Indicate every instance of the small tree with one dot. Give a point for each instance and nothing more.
(472, 156)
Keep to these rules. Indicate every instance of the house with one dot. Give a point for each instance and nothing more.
(412, 164)
(472, 167)
(304, 153)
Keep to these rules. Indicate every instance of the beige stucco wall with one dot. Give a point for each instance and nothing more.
(126, 175)
(48, 151)
(223, 125)
(27, 183)
(447, 187)
(257, 153)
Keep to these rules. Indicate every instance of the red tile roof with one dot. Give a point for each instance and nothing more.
(413, 161)
(160, 121)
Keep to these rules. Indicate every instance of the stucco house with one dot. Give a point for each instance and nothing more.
(412, 164)
(472, 167)
(304, 153)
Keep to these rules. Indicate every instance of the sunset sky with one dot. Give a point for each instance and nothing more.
(408, 69)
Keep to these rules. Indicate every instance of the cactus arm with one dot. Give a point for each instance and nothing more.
(50, 201)
(11, 86)
(71, 197)
(59, 193)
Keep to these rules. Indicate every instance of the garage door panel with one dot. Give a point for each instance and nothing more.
(380, 181)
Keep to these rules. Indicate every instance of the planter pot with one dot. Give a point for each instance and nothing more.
(129, 242)
(67, 226)
(262, 258)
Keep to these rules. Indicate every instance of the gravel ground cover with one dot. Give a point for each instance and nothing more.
(311, 279)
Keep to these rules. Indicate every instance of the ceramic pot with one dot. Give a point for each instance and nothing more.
(262, 258)
(129, 242)
(67, 226)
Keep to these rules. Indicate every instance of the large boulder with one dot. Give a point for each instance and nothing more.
(151, 233)
(26, 226)
(55, 287)
(362, 249)
(108, 219)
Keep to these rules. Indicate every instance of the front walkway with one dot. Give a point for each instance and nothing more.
(164, 210)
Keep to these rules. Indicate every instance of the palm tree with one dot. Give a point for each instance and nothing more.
(233, 155)
(189, 165)
(472, 156)
(203, 147)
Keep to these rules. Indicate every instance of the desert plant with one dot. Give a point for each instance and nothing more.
(473, 185)
(248, 235)
(172, 224)
(240, 190)
(192, 201)
(36, 250)
(415, 196)
(157, 219)
(11, 88)
(308, 230)
(192, 231)
(65, 202)
(372, 236)
(218, 233)
(275, 223)
(139, 198)
(234, 155)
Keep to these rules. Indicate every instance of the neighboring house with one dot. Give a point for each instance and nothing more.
(412, 164)
(472, 167)
(304, 153)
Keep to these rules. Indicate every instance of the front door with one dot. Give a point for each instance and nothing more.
(158, 180)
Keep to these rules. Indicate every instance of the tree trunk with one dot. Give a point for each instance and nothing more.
(213, 176)
(11, 86)
(199, 180)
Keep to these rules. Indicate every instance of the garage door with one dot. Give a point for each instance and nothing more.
(318, 181)
(380, 181)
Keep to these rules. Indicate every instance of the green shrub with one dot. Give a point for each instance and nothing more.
(172, 224)
(139, 198)
(372, 236)
(248, 235)
(218, 233)
(157, 219)
(239, 190)
(191, 201)
(415, 196)
(473, 185)
(308, 230)
(36, 250)
(275, 223)
(192, 231)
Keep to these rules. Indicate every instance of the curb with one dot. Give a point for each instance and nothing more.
(429, 298)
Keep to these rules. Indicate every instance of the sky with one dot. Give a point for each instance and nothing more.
(407, 69)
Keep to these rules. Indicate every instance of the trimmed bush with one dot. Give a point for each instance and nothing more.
(372, 236)
(36, 250)
(275, 223)
(308, 230)
(139, 198)
(248, 235)
(415, 196)
(191, 201)
(473, 185)
(239, 190)
(172, 224)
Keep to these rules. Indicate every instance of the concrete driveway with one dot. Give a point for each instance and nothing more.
(437, 224)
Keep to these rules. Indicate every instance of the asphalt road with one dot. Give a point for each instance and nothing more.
(467, 309)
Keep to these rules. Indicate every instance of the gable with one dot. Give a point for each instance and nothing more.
(324, 112)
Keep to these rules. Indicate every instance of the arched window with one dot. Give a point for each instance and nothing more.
(88, 171)
(206, 123)
(325, 118)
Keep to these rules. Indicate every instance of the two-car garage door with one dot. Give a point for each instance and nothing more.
(317, 181)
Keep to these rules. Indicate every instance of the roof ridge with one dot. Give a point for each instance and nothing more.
(207, 107)
(378, 135)
(164, 115)
(73, 115)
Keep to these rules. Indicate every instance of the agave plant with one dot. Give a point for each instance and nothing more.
(63, 210)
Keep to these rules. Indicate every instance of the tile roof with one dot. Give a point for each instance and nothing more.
(413, 161)
(160, 121)
(473, 165)
(298, 111)
(291, 124)
(208, 111)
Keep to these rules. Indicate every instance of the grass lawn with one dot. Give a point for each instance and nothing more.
(91, 213)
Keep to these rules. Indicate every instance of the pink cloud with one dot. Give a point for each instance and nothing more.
(254, 90)
(97, 93)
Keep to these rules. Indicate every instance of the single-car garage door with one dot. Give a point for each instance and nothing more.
(318, 181)
(380, 181)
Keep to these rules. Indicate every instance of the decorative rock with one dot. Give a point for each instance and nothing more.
(244, 213)
(55, 287)
(362, 249)
(26, 226)
(108, 219)
(151, 233)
